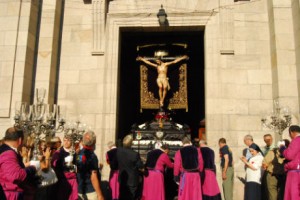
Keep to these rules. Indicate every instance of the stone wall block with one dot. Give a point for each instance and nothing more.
(286, 57)
(5, 100)
(213, 106)
(288, 88)
(10, 38)
(244, 122)
(244, 61)
(260, 107)
(261, 76)
(234, 106)
(285, 41)
(90, 76)
(83, 91)
(233, 91)
(69, 77)
(288, 73)
(213, 75)
(213, 90)
(266, 91)
(239, 47)
(62, 91)
(238, 76)
(216, 122)
(283, 26)
(257, 47)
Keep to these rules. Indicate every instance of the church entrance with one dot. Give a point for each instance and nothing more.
(128, 105)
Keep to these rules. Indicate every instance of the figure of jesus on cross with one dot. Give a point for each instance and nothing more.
(162, 70)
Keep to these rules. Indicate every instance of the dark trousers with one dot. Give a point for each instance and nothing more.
(264, 186)
(128, 192)
(2, 195)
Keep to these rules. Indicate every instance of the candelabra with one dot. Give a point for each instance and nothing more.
(39, 121)
(74, 132)
(279, 119)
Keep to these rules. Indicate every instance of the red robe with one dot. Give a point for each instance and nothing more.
(292, 155)
(188, 167)
(14, 177)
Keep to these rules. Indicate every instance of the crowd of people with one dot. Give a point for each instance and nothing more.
(59, 173)
(271, 172)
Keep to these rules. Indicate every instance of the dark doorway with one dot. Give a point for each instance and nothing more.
(128, 110)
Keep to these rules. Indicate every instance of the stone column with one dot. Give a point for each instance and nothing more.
(14, 17)
(296, 24)
(49, 47)
(283, 18)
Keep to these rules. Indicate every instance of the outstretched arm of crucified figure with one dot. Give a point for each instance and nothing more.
(185, 57)
(139, 58)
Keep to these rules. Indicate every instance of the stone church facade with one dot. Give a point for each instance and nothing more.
(72, 48)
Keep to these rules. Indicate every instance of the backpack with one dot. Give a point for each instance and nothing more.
(278, 168)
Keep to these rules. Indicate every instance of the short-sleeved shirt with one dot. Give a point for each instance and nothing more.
(87, 162)
(223, 151)
(255, 175)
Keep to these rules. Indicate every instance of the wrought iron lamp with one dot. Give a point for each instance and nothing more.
(279, 119)
(162, 16)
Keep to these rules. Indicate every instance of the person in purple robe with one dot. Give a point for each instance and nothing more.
(17, 181)
(156, 162)
(210, 187)
(188, 164)
(111, 159)
(292, 167)
(63, 164)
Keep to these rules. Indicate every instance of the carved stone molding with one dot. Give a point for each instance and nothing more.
(98, 14)
(226, 27)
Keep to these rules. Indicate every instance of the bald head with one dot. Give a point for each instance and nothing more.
(13, 134)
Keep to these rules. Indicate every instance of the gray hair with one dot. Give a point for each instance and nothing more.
(111, 144)
(89, 139)
(127, 141)
(202, 142)
(186, 140)
(248, 137)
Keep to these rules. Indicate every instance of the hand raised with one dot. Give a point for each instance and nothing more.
(47, 153)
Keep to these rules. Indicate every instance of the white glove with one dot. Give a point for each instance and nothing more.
(36, 164)
(280, 143)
